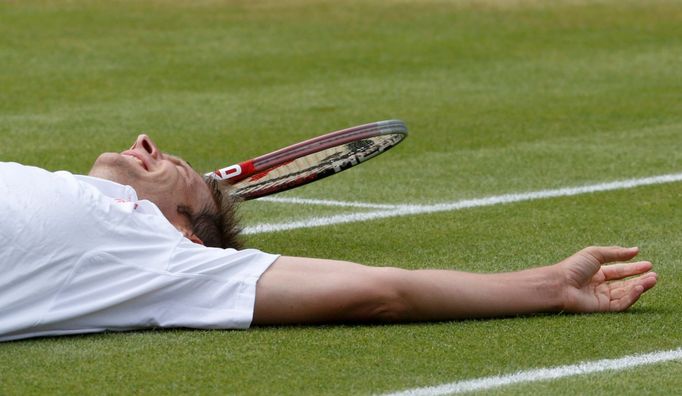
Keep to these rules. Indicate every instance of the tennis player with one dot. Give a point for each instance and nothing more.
(144, 241)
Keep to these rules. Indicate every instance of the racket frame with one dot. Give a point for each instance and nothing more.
(236, 173)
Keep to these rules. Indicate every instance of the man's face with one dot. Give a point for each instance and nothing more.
(164, 179)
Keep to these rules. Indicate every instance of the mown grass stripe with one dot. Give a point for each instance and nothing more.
(408, 210)
(544, 374)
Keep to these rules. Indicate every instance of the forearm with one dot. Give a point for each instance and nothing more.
(442, 294)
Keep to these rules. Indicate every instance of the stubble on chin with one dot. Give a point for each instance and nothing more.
(114, 167)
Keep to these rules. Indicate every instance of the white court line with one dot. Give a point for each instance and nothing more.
(407, 210)
(328, 202)
(544, 374)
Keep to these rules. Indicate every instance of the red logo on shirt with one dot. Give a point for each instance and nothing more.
(124, 202)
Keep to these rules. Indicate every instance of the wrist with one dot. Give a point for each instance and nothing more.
(551, 287)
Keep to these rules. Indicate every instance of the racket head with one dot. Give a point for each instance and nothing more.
(311, 160)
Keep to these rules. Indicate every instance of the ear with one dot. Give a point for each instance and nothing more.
(189, 234)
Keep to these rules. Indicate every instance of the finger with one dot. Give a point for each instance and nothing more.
(620, 271)
(627, 300)
(643, 283)
(647, 280)
(609, 254)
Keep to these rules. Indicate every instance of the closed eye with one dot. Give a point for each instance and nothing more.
(177, 161)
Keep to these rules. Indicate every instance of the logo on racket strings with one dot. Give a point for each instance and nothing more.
(363, 150)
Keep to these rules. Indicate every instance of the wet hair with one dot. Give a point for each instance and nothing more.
(217, 224)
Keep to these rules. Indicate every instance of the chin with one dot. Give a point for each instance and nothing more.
(112, 166)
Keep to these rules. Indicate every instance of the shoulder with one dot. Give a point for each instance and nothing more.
(224, 264)
(89, 212)
(30, 187)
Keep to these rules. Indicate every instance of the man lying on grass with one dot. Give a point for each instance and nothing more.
(127, 248)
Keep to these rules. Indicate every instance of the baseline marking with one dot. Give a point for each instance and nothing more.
(327, 202)
(407, 210)
(544, 374)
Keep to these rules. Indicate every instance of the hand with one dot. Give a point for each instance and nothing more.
(591, 286)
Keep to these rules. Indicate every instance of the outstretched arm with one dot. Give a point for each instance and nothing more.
(304, 290)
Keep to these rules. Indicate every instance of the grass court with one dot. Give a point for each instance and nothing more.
(500, 97)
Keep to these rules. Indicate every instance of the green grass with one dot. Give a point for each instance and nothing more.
(499, 97)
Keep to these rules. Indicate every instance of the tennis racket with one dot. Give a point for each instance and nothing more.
(311, 160)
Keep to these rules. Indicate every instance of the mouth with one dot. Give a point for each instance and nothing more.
(138, 158)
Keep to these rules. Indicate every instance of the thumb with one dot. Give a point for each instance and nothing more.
(609, 254)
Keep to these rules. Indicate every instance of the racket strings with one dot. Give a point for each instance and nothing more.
(315, 166)
(298, 169)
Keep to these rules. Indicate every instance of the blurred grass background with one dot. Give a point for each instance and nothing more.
(499, 96)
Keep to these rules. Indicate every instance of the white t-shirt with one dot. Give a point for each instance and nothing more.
(80, 254)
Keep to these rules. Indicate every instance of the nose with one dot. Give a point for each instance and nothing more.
(145, 143)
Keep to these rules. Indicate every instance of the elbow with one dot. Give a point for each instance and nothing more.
(389, 303)
(390, 310)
